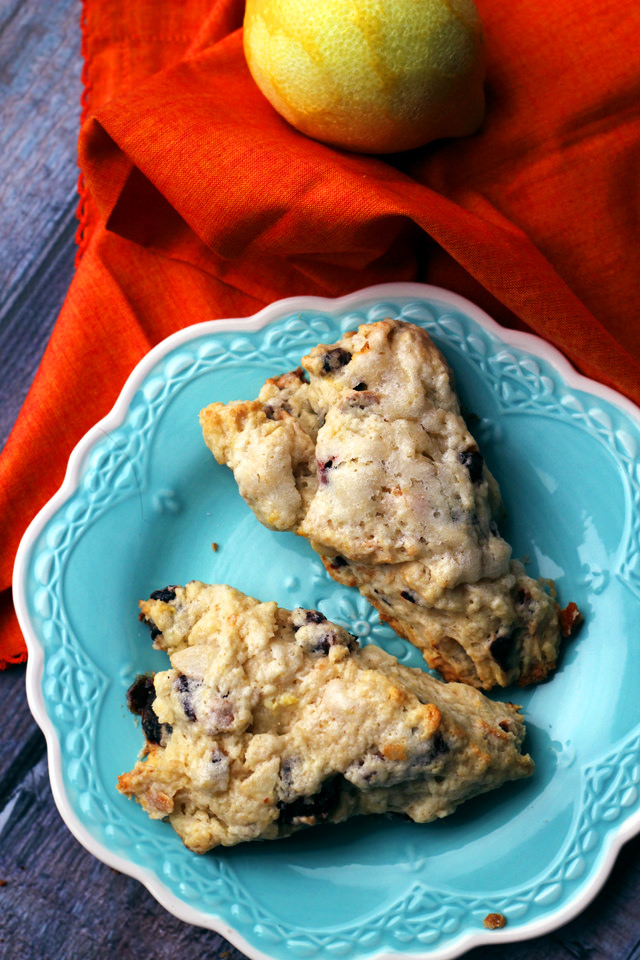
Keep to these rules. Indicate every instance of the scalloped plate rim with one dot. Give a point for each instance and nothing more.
(528, 342)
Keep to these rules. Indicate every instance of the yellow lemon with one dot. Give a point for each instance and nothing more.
(375, 76)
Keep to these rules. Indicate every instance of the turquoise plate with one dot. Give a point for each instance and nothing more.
(141, 505)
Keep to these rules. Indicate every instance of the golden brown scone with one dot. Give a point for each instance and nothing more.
(366, 455)
(271, 720)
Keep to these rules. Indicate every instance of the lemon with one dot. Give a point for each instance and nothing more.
(375, 76)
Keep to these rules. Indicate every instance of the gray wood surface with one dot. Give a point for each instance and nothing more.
(40, 67)
(56, 901)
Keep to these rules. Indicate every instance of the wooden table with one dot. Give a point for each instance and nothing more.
(56, 900)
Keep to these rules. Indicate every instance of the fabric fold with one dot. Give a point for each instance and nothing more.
(190, 180)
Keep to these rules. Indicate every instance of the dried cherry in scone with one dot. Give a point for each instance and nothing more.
(334, 359)
(141, 693)
(410, 595)
(474, 462)
(140, 697)
(301, 618)
(166, 594)
(153, 629)
(186, 688)
(316, 808)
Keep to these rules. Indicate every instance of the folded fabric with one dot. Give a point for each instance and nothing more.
(202, 202)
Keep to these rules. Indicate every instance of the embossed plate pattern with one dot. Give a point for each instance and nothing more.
(141, 505)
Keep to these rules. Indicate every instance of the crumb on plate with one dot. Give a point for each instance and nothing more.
(494, 921)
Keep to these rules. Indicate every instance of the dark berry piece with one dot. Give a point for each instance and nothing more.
(501, 650)
(384, 599)
(377, 770)
(523, 599)
(299, 373)
(140, 697)
(437, 747)
(314, 616)
(314, 809)
(322, 643)
(410, 595)
(141, 693)
(286, 771)
(304, 617)
(154, 731)
(360, 386)
(166, 594)
(473, 461)
(273, 410)
(155, 631)
(322, 470)
(185, 687)
(339, 562)
(334, 359)
(367, 769)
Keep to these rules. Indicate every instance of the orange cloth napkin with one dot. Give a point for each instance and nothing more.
(200, 202)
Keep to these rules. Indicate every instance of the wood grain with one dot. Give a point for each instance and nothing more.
(40, 88)
(56, 901)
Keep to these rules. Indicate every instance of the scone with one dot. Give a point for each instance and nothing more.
(366, 454)
(271, 720)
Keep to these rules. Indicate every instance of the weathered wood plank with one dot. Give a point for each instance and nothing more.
(29, 313)
(40, 68)
(40, 87)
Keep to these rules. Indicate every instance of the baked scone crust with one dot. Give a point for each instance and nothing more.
(363, 451)
(271, 720)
